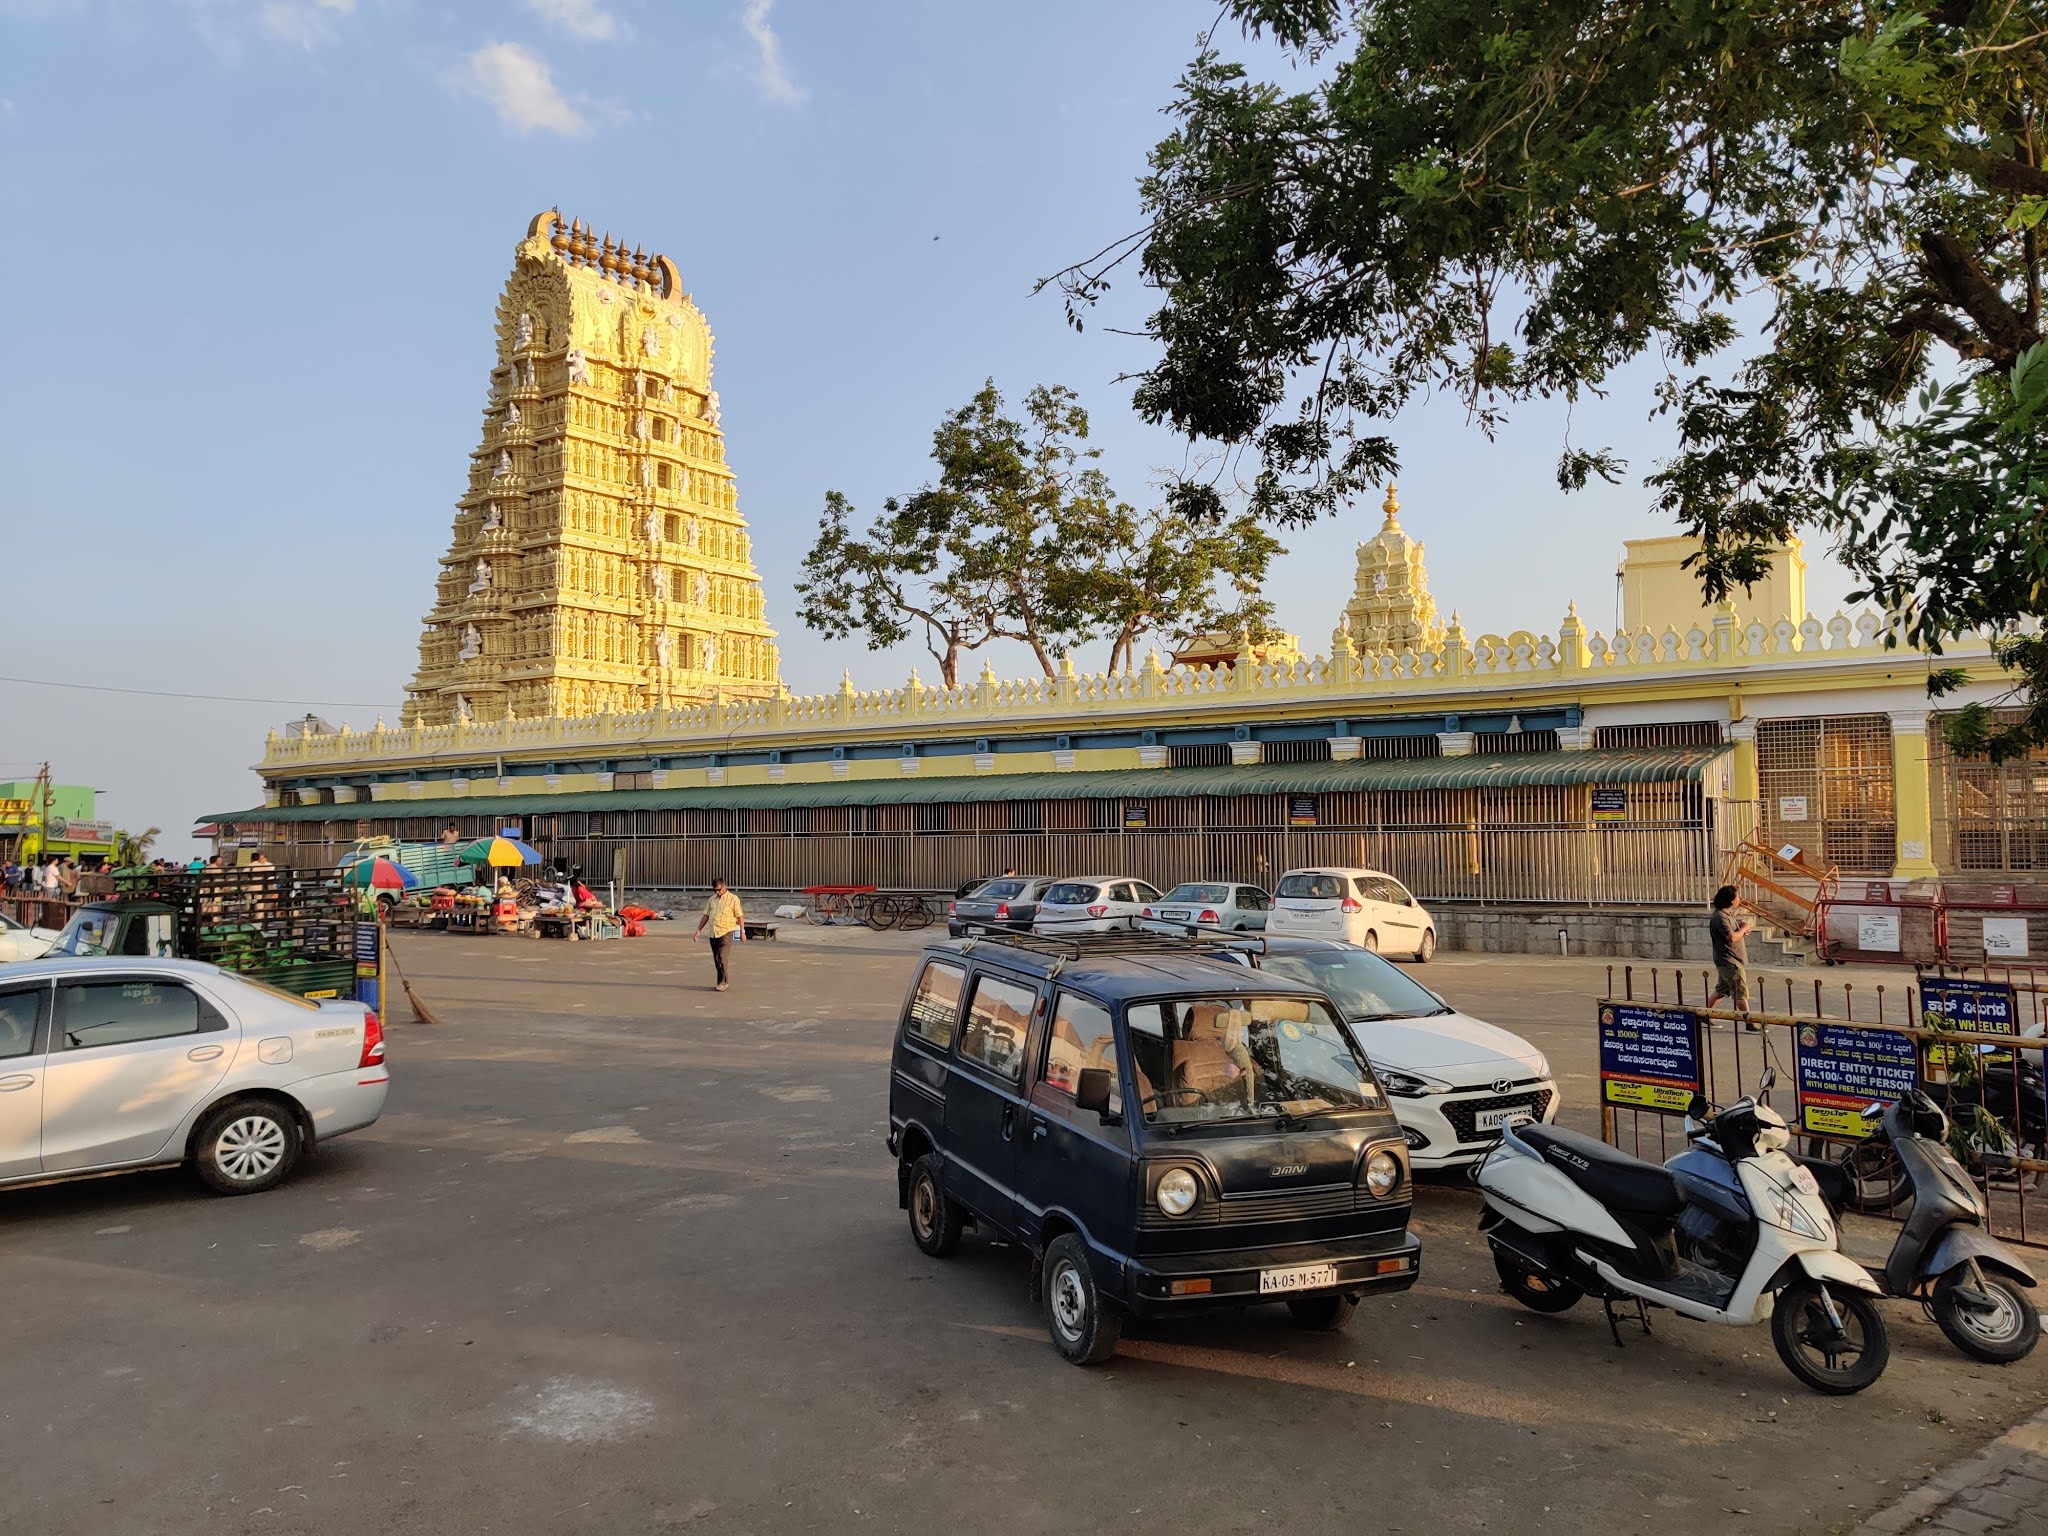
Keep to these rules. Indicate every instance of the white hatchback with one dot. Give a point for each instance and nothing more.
(1092, 904)
(1354, 906)
(113, 1063)
(18, 941)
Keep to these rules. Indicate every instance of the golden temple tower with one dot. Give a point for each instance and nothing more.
(1390, 607)
(599, 562)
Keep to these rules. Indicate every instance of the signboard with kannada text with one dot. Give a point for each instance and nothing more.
(1301, 810)
(1610, 805)
(1649, 1056)
(1135, 815)
(1962, 1003)
(1841, 1068)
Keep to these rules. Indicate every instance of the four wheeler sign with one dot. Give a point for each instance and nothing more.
(1649, 1056)
(1957, 1002)
(1842, 1068)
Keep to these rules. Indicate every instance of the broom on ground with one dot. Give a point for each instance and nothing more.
(421, 1013)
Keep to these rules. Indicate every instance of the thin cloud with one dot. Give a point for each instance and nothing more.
(517, 82)
(228, 27)
(302, 23)
(586, 19)
(770, 71)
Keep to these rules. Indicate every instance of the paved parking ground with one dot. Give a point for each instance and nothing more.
(624, 1256)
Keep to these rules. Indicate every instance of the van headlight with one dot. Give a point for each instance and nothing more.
(1177, 1192)
(1382, 1174)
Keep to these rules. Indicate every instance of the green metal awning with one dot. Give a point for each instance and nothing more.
(1509, 770)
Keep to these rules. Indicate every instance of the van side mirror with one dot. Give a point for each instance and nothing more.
(1091, 1090)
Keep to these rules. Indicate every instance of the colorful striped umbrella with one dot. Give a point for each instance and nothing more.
(501, 850)
(380, 874)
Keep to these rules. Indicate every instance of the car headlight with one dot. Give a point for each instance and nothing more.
(1177, 1192)
(1382, 1174)
(1408, 1085)
(1540, 1065)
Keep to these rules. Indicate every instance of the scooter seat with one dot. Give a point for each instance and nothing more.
(1606, 1173)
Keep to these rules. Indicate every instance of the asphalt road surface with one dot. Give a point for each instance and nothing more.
(624, 1256)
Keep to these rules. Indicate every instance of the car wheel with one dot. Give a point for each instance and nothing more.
(1322, 1314)
(1427, 952)
(1372, 941)
(245, 1148)
(1084, 1331)
(935, 1221)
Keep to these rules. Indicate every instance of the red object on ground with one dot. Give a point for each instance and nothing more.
(637, 914)
(634, 928)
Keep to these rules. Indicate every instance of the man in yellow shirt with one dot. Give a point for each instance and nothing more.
(728, 923)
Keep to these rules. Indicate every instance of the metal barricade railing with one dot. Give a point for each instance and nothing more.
(1795, 1021)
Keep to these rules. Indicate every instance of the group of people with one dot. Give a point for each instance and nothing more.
(52, 878)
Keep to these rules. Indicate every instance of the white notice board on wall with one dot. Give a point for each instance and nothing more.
(1791, 807)
(2005, 938)
(1878, 932)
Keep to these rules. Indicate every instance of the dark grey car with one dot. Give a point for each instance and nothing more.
(1002, 906)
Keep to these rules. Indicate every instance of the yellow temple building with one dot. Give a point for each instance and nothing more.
(599, 563)
(597, 672)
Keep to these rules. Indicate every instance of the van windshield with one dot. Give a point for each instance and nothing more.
(90, 933)
(1208, 1059)
(1316, 887)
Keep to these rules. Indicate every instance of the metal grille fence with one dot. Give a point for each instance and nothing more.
(1989, 816)
(1826, 787)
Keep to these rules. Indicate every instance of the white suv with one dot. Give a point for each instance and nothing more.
(1358, 906)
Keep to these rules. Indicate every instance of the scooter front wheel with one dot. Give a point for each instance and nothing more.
(1996, 1324)
(1833, 1339)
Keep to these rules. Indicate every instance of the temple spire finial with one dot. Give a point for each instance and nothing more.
(1392, 506)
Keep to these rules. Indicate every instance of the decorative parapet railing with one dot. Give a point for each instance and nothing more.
(1516, 661)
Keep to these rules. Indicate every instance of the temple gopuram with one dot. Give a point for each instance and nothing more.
(599, 563)
(597, 671)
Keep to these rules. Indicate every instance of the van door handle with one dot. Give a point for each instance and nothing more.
(19, 1081)
(1039, 1128)
(203, 1053)
(1009, 1121)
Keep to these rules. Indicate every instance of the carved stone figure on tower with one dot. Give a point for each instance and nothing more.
(694, 534)
(661, 583)
(480, 580)
(653, 526)
(472, 643)
(579, 366)
(711, 407)
(640, 424)
(512, 414)
(650, 341)
(646, 473)
(491, 522)
(462, 711)
(701, 589)
(504, 465)
(663, 649)
(522, 337)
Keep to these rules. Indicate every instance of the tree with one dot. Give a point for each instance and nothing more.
(1021, 537)
(1509, 199)
(132, 848)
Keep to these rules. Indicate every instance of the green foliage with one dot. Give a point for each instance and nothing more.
(132, 848)
(1021, 538)
(1507, 200)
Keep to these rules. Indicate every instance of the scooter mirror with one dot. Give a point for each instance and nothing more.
(1768, 1081)
(1698, 1108)
(1873, 1112)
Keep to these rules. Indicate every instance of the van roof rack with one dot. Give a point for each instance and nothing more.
(1134, 941)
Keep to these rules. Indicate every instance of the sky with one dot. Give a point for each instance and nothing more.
(245, 326)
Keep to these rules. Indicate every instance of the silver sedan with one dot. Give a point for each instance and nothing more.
(110, 1064)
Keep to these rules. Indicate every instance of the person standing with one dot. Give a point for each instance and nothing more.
(1725, 930)
(722, 913)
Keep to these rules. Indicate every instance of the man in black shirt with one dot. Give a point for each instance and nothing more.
(1726, 930)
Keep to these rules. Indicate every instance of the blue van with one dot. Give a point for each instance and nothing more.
(1161, 1131)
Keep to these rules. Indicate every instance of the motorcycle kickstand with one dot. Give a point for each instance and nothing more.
(1641, 1319)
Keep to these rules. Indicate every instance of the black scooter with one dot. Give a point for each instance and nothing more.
(1968, 1281)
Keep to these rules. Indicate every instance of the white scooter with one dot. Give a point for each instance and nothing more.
(1737, 1234)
